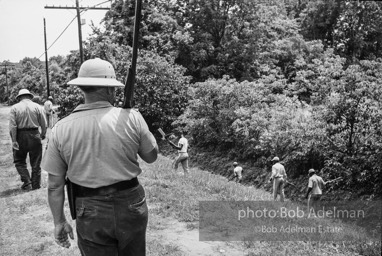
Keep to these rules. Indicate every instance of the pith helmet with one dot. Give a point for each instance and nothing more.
(50, 98)
(234, 163)
(276, 159)
(96, 72)
(311, 171)
(24, 92)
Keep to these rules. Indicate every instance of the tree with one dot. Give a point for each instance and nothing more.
(318, 20)
(29, 74)
(316, 72)
(352, 114)
(357, 33)
(352, 28)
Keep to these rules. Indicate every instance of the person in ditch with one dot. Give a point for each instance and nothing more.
(314, 193)
(183, 156)
(237, 172)
(279, 178)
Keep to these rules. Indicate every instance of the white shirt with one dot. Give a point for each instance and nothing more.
(316, 183)
(183, 142)
(278, 170)
(238, 170)
(48, 107)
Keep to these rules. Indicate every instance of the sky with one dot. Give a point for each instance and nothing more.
(22, 27)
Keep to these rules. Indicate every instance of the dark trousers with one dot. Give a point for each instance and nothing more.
(29, 142)
(113, 224)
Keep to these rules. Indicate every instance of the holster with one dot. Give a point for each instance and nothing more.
(70, 189)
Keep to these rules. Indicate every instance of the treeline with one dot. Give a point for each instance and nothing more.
(250, 78)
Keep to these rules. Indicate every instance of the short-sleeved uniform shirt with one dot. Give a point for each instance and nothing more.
(97, 145)
(316, 183)
(238, 171)
(26, 114)
(184, 143)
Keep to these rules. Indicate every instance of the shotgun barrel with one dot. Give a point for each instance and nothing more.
(128, 101)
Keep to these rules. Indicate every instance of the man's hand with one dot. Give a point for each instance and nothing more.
(61, 232)
(15, 145)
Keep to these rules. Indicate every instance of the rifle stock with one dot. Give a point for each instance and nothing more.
(130, 80)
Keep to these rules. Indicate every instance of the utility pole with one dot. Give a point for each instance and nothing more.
(6, 64)
(79, 31)
(78, 8)
(46, 63)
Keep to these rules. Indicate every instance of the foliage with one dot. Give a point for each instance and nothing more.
(160, 90)
(315, 72)
(68, 99)
(352, 28)
(358, 32)
(247, 121)
(30, 75)
(353, 117)
(339, 133)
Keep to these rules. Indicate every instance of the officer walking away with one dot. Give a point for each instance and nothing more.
(237, 172)
(25, 119)
(183, 156)
(279, 178)
(48, 108)
(315, 186)
(96, 148)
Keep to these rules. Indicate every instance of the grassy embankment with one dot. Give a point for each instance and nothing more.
(26, 222)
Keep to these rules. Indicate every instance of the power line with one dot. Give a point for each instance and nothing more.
(59, 35)
(83, 9)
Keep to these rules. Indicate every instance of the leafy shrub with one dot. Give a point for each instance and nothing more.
(248, 122)
(68, 99)
(339, 134)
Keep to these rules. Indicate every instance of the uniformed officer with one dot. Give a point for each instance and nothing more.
(25, 119)
(96, 148)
